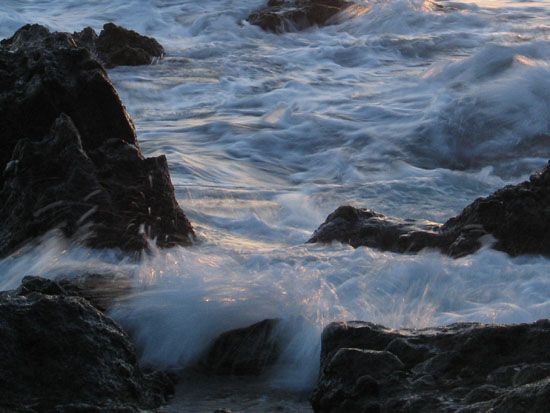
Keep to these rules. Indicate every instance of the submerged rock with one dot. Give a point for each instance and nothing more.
(292, 15)
(467, 367)
(60, 354)
(517, 216)
(245, 351)
(70, 154)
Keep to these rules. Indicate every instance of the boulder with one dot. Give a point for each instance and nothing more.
(292, 15)
(117, 46)
(60, 354)
(245, 351)
(517, 216)
(70, 156)
(467, 367)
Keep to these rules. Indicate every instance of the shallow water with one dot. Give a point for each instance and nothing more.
(411, 109)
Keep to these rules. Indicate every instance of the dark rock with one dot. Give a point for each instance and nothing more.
(351, 362)
(481, 394)
(467, 367)
(70, 155)
(363, 227)
(31, 284)
(517, 216)
(293, 15)
(532, 398)
(531, 373)
(245, 351)
(60, 354)
(117, 46)
(100, 290)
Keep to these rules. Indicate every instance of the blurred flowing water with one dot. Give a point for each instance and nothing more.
(413, 109)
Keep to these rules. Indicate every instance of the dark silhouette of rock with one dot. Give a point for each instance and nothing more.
(60, 354)
(245, 351)
(292, 15)
(467, 367)
(517, 216)
(117, 46)
(70, 155)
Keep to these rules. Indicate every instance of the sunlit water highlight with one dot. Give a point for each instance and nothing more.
(409, 109)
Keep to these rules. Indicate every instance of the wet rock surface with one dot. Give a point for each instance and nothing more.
(60, 354)
(70, 156)
(517, 216)
(467, 367)
(245, 351)
(293, 15)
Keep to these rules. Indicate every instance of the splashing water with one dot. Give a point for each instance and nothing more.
(411, 109)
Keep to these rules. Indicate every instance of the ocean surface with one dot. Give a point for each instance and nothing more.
(411, 109)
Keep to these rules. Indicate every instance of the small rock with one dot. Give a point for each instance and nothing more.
(293, 15)
(117, 46)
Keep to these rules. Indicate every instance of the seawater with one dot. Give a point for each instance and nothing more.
(411, 109)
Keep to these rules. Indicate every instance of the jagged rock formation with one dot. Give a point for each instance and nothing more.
(117, 46)
(60, 354)
(293, 15)
(517, 216)
(70, 155)
(466, 367)
(114, 46)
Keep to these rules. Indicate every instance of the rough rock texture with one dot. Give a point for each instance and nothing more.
(60, 354)
(466, 367)
(117, 46)
(292, 15)
(70, 155)
(517, 216)
(245, 351)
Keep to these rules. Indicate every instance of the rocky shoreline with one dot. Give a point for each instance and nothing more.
(50, 329)
(72, 163)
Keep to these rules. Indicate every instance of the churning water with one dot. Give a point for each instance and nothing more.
(411, 109)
